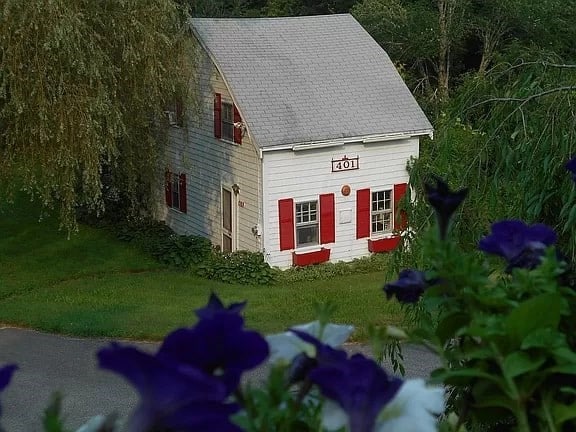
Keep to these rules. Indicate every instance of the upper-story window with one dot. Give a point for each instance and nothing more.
(227, 120)
(381, 213)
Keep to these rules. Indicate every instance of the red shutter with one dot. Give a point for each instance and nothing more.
(362, 213)
(168, 188)
(237, 130)
(327, 227)
(400, 217)
(182, 185)
(286, 223)
(217, 115)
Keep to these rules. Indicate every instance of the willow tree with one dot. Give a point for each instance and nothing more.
(82, 84)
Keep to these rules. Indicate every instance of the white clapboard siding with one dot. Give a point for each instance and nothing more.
(304, 175)
(209, 164)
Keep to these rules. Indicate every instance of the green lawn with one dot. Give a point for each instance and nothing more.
(94, 285)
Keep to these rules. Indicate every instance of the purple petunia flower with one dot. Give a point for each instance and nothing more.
(521, 245)
(360, 389)
(173, 396)
(219, 346)
(409, 286)
(571, 166)
(445, 202)
(215, 307)
(5, 377)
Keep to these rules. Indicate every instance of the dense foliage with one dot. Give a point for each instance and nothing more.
(505, 333)
(80, 83)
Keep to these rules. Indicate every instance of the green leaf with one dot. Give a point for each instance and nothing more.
(544, 338)
(52, 420)
(450, 376)
(519, 363)
(496, 401)
(448, 327)
(561, 413)
(539, 312)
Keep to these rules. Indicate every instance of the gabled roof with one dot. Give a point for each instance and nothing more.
(313, 78)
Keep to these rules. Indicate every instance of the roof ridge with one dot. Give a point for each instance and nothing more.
(286, 18)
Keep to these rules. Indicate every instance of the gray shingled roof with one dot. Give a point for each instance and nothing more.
(313, 78)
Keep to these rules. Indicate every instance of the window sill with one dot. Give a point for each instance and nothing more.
(383, 245)
(309, 258)
(177, 210)
(229, 142)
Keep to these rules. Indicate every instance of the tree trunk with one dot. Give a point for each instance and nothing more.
(445, 16)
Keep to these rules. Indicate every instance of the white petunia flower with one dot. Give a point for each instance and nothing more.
(285, 346)
(93, 425)
(414, 409)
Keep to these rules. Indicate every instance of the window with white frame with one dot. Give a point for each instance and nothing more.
(175, 189)
(227, 121)
(306, 223)
(381, 214)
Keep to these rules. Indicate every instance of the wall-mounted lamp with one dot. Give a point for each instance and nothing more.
(236, 188)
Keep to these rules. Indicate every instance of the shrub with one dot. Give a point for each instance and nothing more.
(369, 264)
(158, 240)
(241, 267)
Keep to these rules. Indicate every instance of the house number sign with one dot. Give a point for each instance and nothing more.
(345, 164)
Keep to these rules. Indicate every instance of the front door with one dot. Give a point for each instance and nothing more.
(227, 221)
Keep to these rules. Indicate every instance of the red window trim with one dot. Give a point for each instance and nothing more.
(237, 130)
(286, 225)
(363, 222)
(327, 219)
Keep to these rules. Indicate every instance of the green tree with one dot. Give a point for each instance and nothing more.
(308, 7)
(225, 8)
(421, 34)
(439, 40)
(82, 84)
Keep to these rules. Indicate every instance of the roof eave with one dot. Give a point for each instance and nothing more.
(337, 142)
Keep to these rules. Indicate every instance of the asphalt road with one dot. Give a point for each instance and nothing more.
(49, 363)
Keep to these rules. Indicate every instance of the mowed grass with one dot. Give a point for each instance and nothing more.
(94, 285)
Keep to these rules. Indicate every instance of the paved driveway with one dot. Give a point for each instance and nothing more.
(51, 363)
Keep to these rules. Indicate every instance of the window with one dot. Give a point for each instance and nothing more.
(227, 121)
(175, 190)
(381, 214)
(174, 113)
(306, 223)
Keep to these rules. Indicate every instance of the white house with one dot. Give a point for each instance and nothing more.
(300, 144)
